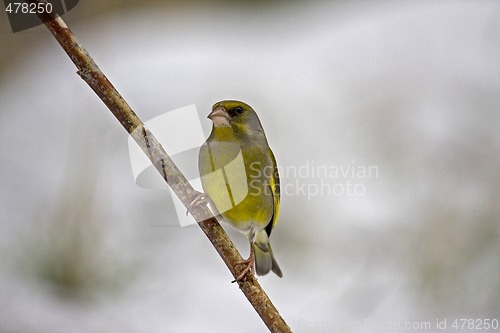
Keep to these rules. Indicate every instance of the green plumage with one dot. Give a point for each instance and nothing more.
(239, 173)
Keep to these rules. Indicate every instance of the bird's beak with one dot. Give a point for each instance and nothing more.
(219, 116)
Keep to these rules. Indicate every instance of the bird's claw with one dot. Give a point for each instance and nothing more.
(199, 198)
(248, 270)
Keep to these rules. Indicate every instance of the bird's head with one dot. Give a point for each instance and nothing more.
(238, 115)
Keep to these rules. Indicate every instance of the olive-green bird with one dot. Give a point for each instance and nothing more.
(239, 174)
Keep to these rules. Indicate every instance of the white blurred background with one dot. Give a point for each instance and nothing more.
(409, 87)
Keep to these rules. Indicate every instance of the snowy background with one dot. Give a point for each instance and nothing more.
(409, 88)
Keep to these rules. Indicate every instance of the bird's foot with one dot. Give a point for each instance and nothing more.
(248, 270)
(199, 198)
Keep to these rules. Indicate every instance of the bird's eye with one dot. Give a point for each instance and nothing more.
(238, 110)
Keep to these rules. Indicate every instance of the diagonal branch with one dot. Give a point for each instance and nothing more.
(92, 75)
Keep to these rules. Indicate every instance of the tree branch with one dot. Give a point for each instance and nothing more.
(92, 75)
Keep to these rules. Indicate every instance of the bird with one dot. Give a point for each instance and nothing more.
(239, 174)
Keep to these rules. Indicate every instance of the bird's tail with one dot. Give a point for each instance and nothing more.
(264, 258)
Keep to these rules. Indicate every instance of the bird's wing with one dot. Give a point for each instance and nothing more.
(274, 183)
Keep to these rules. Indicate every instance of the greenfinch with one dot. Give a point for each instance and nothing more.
(240, 176)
